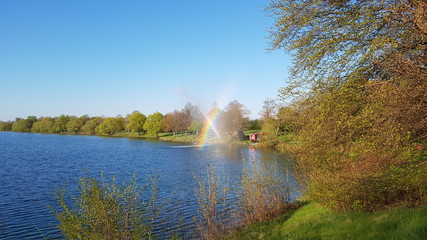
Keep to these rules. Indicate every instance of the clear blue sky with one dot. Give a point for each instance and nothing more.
(107, 58)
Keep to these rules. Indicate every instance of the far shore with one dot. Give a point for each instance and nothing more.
(168, 137)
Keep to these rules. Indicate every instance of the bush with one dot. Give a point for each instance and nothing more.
(214, 218)
(261, 195)
(355, 152)
(109, 210)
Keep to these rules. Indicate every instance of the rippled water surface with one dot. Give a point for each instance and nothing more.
(33, 165)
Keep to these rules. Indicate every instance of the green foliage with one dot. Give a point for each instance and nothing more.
(153, 124)
(30, 121)
(74, 125)
(136, 122)
(122, 122)
(83, 119)
(313, 221)
(195, 126)
(108, 210)
(6, 126)
(91, 125)
(349, 147)
(43, 125)
(332, 39)
(21, 125)
(109, 126)
(277, 120)
(270, 128)
(184, 137)
(60, 125)
(254, 124)
(363, 111)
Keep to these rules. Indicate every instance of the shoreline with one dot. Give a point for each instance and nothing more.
(166, 138)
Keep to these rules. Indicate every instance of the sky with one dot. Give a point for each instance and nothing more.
(105, 58)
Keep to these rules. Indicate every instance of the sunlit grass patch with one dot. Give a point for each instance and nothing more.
(316, 222)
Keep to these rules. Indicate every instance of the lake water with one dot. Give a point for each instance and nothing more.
(33, 165)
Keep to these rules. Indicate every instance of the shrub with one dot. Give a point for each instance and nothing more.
(261, 195)
(214, 219)
(108, 210)
(356, 153)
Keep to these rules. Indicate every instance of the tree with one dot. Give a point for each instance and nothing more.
(84, 119)
(364, 106)
(331, 40)
(6, 126)
(168, 123)
(288, 119)
(254, 124)
(90, 126)
(30, 121)
(122, 121)
(153, 124)
(269, 109)
(21, 125)
(60, 125)
(74, 125)
(176, 122)
(194, 112)
(270, 120)
(24, 125)
(276, 119)
(109, 126)
(136, 122)
(195, 127)
(43, 125)
(234, 118)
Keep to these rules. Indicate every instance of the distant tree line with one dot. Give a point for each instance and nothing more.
(188, 120)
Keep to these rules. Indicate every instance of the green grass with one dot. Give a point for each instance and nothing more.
(129, 134)
(179, 137)
(313, 221)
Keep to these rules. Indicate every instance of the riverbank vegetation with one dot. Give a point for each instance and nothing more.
(261, 195)
(112, 210)
(187, 122)
(359, 108)
(356, 121)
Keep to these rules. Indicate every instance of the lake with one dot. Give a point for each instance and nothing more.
(34, 165)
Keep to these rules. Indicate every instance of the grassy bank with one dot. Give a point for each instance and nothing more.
(192, 138)
(313, 221)
(180, 137)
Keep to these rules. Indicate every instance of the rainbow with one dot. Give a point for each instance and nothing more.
(209, 124)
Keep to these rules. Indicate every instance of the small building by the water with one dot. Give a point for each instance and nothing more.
(254, 137)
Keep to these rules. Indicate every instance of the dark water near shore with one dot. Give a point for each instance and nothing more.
(33, 165)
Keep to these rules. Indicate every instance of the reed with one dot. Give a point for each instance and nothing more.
(261, 195)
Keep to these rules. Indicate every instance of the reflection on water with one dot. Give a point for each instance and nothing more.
(33, 164)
